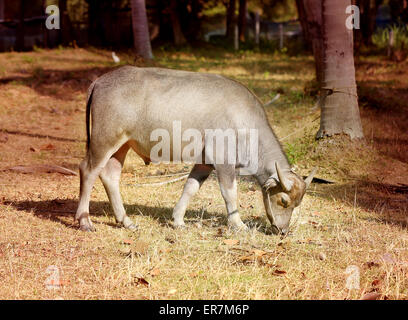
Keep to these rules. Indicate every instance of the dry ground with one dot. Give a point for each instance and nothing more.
(354, 229)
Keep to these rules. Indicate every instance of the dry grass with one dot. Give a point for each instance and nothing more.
(361, 221)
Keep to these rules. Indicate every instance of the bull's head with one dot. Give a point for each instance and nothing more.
(281, 194)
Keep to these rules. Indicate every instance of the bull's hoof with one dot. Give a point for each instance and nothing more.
(87, 228)
(85, 223)
(128, 224)
(239, 228)
(132, 227)
(179, 226)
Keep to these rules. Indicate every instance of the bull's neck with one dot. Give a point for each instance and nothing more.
(270, 151)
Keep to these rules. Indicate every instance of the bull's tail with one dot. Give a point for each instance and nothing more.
(88, 115)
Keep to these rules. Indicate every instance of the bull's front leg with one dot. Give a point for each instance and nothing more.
(195, 179)
(228, 186)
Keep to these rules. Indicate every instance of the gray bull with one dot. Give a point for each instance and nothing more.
(128, 103)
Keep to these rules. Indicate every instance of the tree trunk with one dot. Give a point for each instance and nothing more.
(231, 20)
(257, 27)
(141, 29)
(303, 20)
(242, 19)
(65, 35)
(179, 38)
(339, 101)
(20, 28)
(368, 13)
(313, 22)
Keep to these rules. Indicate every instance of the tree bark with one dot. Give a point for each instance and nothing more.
(179, 38)
(231, 20)
(141, 29)
(339, 101)
(65, 34)
(242, 19)
(303, 20)
(20, 28)
(368, 13)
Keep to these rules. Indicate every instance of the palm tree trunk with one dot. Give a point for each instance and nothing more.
(179, 38)
(231, 19)
(140, 26)
(66, 25)
(339, 101)
(300, 5)
(242, 19)
(20, 28)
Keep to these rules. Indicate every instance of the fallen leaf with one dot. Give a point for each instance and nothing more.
(141, 281)
(47, 147)
(57, 282)
(247, 259)
(220, 232)
(371, 296)
(279, 272)
(231, 242)
(371, 264)
(154, 272)
(259, 253)
(170, 239)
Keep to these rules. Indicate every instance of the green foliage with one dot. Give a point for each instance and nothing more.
(276, 10)
(27, 59)
(298, 150)
(382, 37)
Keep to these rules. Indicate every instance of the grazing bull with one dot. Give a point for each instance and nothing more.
(129, 103)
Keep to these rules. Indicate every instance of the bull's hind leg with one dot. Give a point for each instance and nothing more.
(228, 186)
(88, 175)
(195, 179)
(95, 160)
(110, 176)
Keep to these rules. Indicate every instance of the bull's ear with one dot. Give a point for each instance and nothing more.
(270, 183)
(309, 179)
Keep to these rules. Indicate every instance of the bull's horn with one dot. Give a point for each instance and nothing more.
(309, 179)
(285, 183)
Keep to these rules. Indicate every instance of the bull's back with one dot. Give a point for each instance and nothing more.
(138, 101)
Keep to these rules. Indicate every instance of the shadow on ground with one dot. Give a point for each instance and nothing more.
(388, 202)
(61, 210)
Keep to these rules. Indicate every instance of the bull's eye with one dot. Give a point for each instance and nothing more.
(284, 200)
